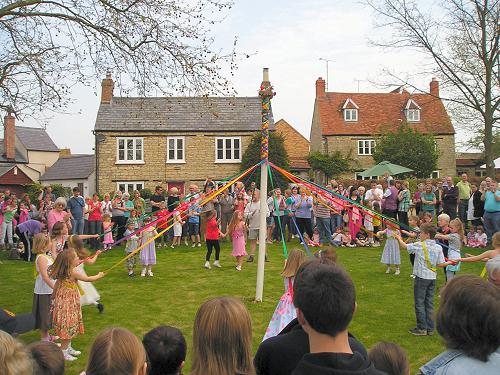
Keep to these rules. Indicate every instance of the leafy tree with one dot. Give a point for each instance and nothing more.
(408, 148)
(332, 165)
(48, 46)
(461, 39)
(277, 155)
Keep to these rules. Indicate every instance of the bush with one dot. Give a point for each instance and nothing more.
(146, 193)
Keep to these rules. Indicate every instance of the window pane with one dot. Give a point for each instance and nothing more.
(138, 154)
(138, 187)
(179, 154)
(121, 187)
(228, 153)
(130, 144)
(236, 153)
(220, 144)
(121, 155)
(179, 144)
(354, 114)
(220, 154)
(347, 115)
(236, 143)
(121, 144)
(130, 154)
(171, 154)
(171, 143)
(130, 187)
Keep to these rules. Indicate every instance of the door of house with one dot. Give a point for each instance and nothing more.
(178, 184)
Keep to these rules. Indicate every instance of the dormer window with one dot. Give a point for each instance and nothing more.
(350, 110)
(412, 111)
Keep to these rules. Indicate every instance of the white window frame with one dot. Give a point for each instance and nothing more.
(224, 159)
(413, 115)
(133, 183)
(435, 172)
(176, 160)
(361, 178)
(371, 146)
(134, 160)
(350, 114)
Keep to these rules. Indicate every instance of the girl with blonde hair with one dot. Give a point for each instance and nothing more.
(285, 310)
(14, 358)
(222, 339)
(116, 351)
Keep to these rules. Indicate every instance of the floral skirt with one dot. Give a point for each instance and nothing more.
(67, 319)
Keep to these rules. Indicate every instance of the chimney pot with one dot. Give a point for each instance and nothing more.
(434, 87)
(320, 87)
(107, 87)
(9, 134)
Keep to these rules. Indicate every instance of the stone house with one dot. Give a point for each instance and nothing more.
(72, 171)
(25, 154)
(352, 122)
(170, 141)
(297, 147)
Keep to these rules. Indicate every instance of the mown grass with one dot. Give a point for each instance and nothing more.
(180, 284)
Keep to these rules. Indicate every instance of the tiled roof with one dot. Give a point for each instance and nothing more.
(19, 157)
(379, 110)
(35, 139)
(75, 167)
(4, 168)
(181, 114)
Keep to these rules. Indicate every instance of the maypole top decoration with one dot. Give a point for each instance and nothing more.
(266, 93)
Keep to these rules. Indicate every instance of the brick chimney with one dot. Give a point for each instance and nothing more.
(65, 153)
(107, 87)
(320, 87)
(434, 87)
(9, 136)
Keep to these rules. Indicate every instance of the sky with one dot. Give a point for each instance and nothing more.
(289, 37)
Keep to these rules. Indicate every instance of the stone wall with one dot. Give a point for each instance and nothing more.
(199, 160)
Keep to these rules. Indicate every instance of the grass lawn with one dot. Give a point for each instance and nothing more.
(180, 284)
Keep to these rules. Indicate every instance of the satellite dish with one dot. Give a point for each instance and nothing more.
(100, 138)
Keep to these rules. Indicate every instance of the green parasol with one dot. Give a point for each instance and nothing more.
(385, 166)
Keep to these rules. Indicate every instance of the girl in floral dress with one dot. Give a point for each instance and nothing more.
(237, 233)
(107, 227)
(148, 252)
(66, 311)
(285, 311)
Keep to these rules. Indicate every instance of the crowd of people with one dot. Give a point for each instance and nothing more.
(310, 325)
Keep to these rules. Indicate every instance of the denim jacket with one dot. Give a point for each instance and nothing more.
(455, 362)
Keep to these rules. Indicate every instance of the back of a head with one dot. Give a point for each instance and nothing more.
(325, 295)
(468, 317)
(390, 358)
(48, 358)
(14, 358)
(222, 338)
(166, 349)
(116, 351)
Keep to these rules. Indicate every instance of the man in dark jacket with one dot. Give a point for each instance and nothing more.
(280, 355)
(325, 299)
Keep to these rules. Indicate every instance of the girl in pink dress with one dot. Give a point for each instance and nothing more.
(237, 233)
(107, 227)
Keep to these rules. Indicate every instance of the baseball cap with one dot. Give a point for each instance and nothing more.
(16, 323)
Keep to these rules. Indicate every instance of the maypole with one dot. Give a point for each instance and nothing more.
(266, 93)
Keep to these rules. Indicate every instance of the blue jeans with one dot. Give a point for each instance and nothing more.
(463, 206)
(491, 222)
(323, 224)
(77, 226)
(336, 221)
(423, 293)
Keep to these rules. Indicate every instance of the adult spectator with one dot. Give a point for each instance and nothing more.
(404, 203)
(493, 271)
(390, 200)
(47, 192)
(450, 198)
(439, 197)
(303, 214)
(106, 205)
(226, 202)
(222, 338)
(47, 357)
(417, 199)
(45, 206)
(14, 358)
(173, 198)
(373, 195)
(118, 215)
(464, 193)
(139, 203)
(468, 320)
(128, 205)
(252, 217)
(166, 349)
(322, 215)
(428, 199)
(491, 216)
(58, 214)
(32, 211)
(26, 231)
(475, 221)
(325, 299)
(156, 198)
(478, 204)
(95, 220)
(209, 184)
(76, 208)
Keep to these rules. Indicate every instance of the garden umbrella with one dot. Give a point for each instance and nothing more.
(385, 166)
